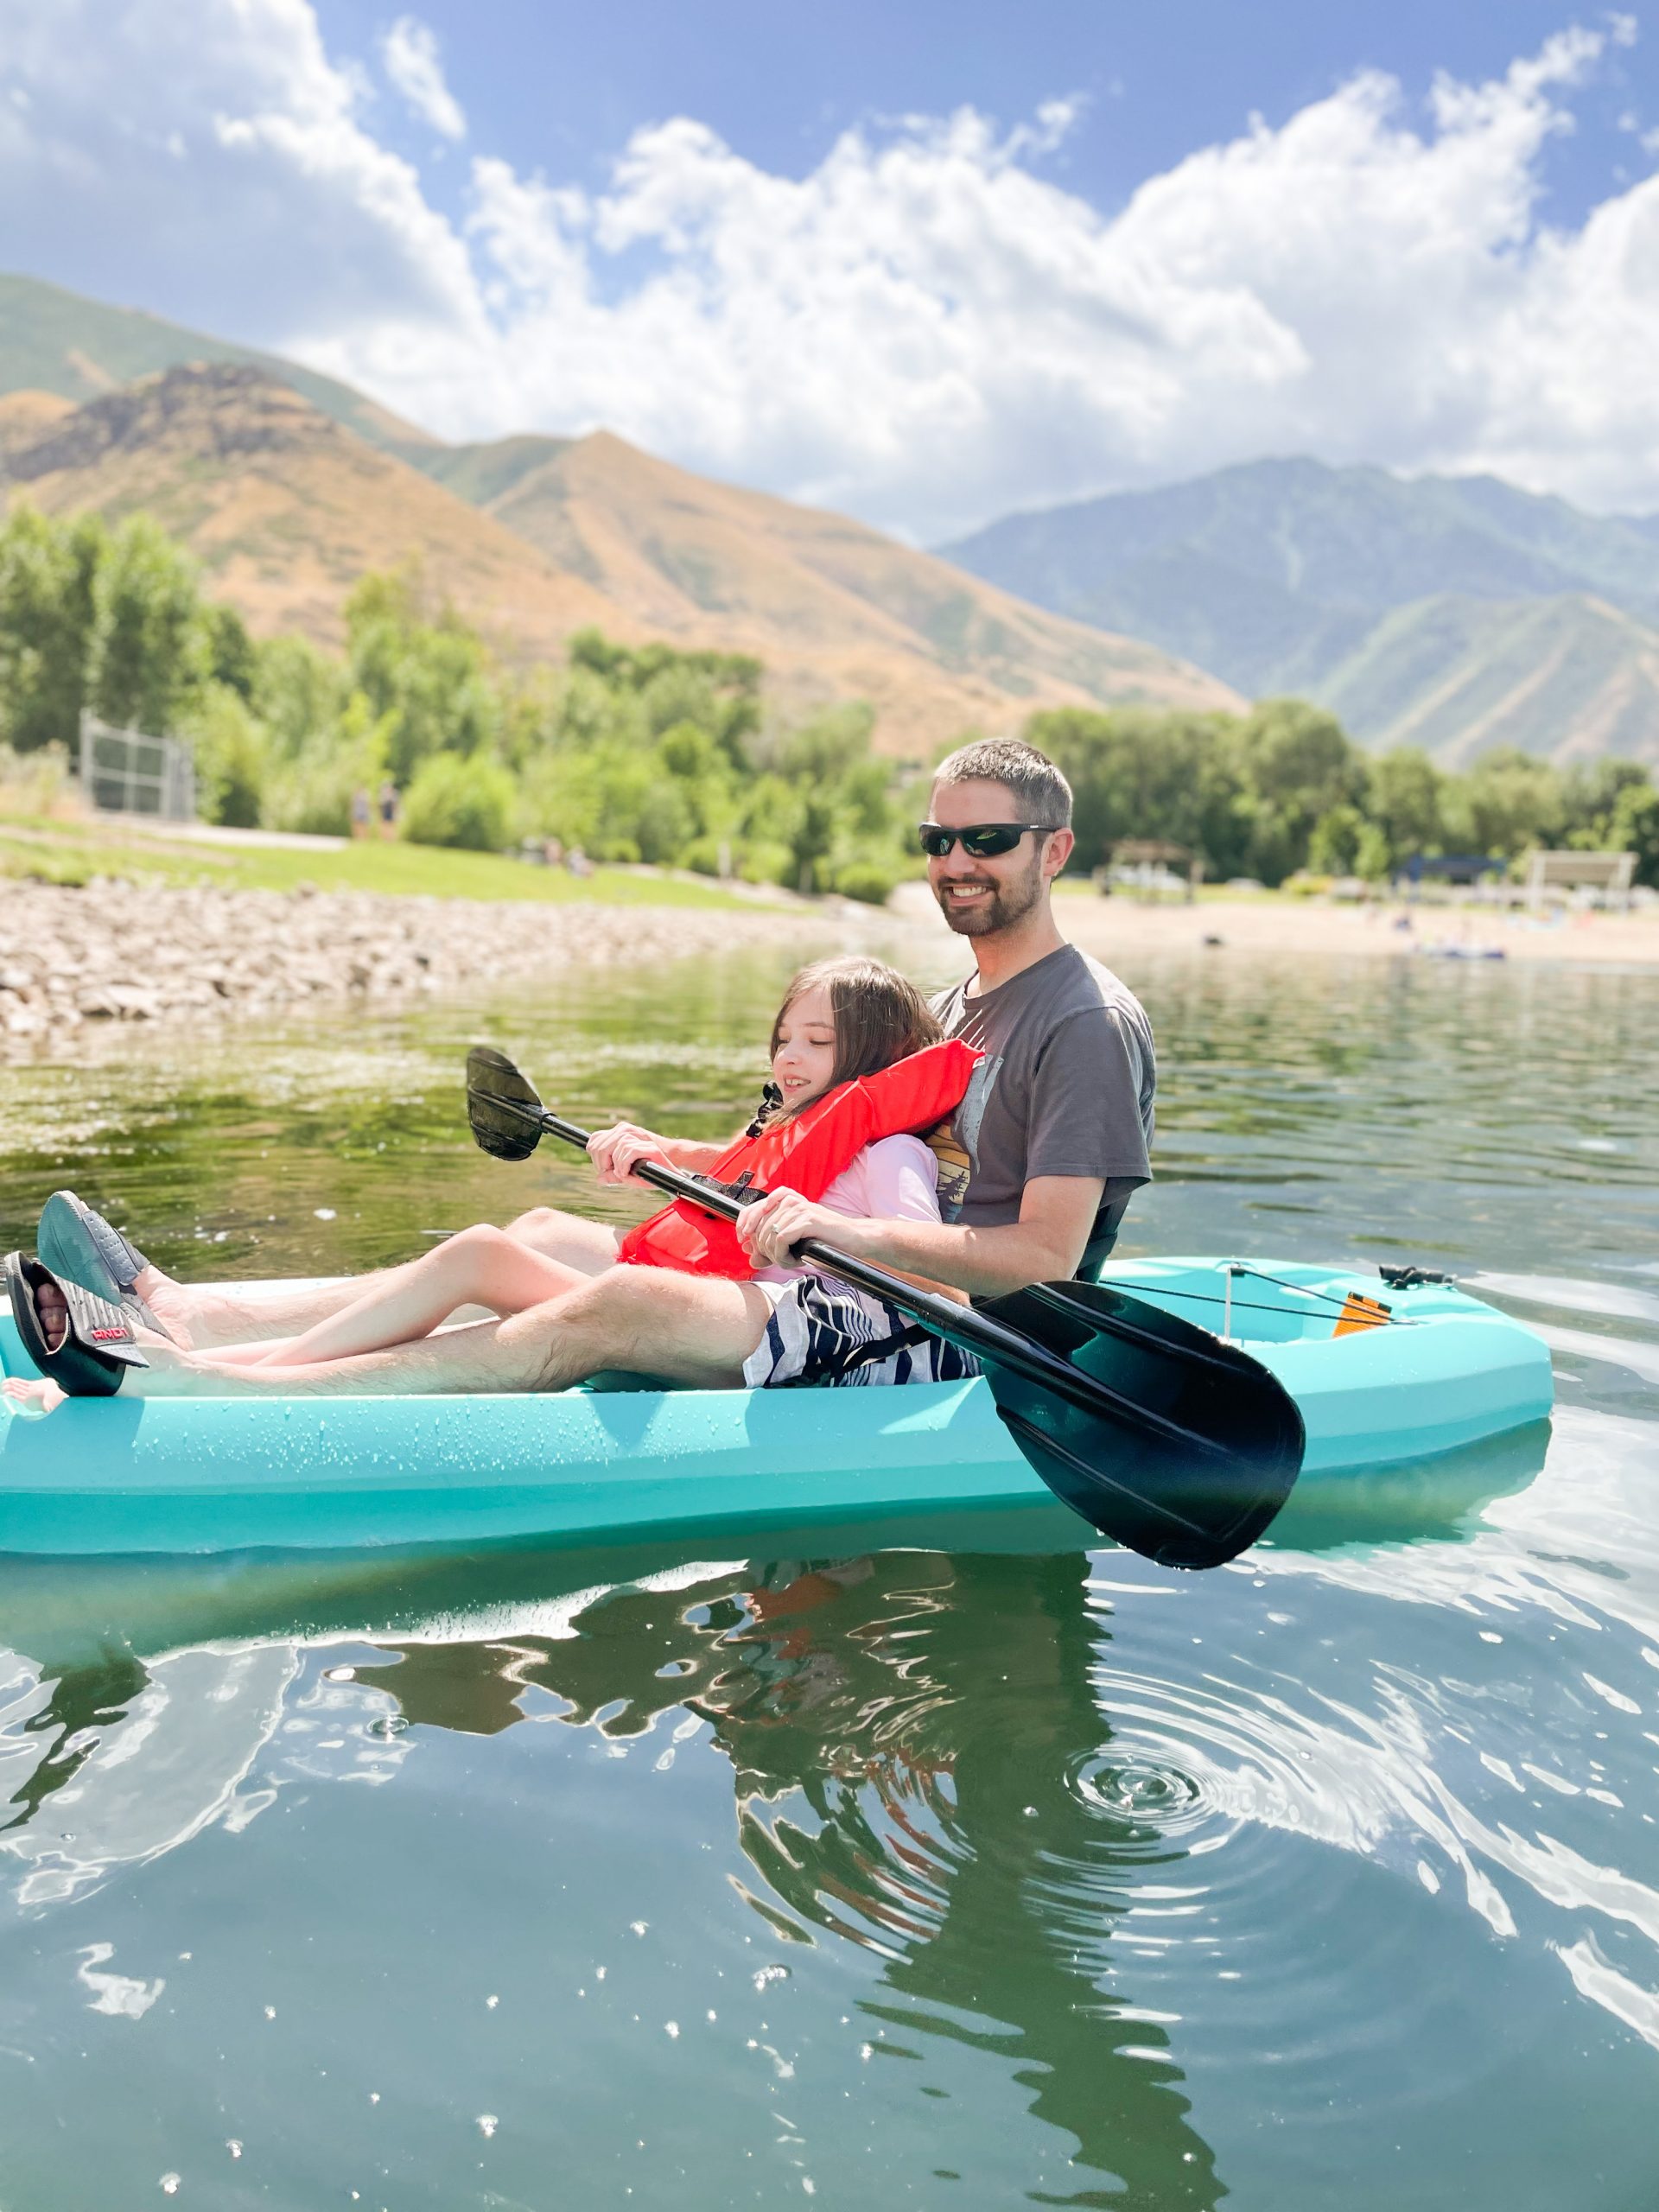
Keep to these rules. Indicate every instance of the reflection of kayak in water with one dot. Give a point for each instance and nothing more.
(1382, 1376)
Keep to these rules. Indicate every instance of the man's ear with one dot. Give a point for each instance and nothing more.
(1058, 848)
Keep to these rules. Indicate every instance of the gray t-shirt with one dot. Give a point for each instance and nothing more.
(1065, 1088)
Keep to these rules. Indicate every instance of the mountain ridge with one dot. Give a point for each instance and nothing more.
(1346, 585)
(58, 341)
(287, 505)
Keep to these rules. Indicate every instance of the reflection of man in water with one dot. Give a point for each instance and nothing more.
(939, 1765)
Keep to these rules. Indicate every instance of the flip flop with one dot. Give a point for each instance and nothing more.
(78, 1245)
(98, 1346)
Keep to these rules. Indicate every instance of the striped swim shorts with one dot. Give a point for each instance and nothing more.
(827, 1333)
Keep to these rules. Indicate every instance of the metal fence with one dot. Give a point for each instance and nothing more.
(124, 771)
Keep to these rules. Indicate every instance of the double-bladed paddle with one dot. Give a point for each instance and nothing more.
(1168, 1440)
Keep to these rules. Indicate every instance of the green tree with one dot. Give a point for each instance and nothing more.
(300, 694)
(1297, 764)
(1136, 772)
(719, 691)
(813, 840)
(231, 751)
(1373, 856)
(1333, 847)
(143, 665)
(230, 656)
(1635, 829)
(1403, 799)
(1509, 800)
(825, 749)
(309, 786)
(1591, 794)
(430, 679)
(47, 581)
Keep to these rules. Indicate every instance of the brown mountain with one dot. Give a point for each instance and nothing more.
(60, 343)
(835, 609)
(287, 503)
(26, 416)
(286, 508)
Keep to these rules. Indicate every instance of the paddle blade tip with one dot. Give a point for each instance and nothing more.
(501, 1104)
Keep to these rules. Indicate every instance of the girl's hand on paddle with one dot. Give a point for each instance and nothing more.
(614, 1151)
(768, 1229)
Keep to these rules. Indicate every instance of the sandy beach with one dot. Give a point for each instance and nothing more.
(1118, 928)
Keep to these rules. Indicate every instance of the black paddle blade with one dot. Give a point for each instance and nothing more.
(494, 1088)
(1197, 1483)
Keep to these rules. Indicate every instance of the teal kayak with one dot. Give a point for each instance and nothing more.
(1440, 1373)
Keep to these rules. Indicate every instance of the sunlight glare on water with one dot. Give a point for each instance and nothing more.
(932, 1876)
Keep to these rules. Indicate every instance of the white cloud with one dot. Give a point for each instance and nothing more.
(411, 53)
(207, 158)
(924, 329)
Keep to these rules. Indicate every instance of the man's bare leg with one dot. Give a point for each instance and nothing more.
(209, 1314)
(696, 1330)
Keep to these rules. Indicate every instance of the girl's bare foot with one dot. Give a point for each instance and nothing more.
(169, 1301)
(33, 1398)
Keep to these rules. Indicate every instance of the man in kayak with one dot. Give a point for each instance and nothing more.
(1052, 1140)
(1054, 1133)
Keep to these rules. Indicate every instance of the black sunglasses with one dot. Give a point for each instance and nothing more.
(982, 842)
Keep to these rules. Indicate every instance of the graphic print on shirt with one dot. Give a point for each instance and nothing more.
(954, 1142)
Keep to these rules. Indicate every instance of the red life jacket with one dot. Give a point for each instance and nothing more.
(805, 1152)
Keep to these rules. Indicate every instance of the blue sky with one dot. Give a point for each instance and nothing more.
(562, 87)
(925, 264)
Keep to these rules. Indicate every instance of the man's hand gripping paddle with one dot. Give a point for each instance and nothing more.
(1169, 1441)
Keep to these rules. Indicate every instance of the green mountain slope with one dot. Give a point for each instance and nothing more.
(1570, 677)
(1375, 596)
(54, 340)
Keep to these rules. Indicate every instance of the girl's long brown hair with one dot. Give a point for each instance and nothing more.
(881, 1016)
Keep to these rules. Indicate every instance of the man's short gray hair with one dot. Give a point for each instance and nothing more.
(1042, 791)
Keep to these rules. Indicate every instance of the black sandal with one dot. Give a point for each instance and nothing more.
(98, 1346)
(76, 1244)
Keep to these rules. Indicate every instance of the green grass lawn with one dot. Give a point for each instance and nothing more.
(67, 853)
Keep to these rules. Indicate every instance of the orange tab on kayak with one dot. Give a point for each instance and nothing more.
(1358, 1312)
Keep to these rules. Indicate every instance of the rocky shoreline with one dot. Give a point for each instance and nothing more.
(116, 951)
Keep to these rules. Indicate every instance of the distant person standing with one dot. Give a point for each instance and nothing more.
(389, 808)
(362, 812)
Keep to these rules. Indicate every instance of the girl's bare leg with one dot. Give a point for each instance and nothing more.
(478, 1267)
(213, 1317)
(248, 1354)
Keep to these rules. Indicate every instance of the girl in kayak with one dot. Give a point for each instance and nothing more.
(842, 1022)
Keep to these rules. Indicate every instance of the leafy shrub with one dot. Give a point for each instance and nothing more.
(761, 860)
(34, 783)
(467, 800)
(873, 882)
(702, 855)
(232, 758)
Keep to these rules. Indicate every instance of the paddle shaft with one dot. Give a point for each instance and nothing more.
(979, 1333)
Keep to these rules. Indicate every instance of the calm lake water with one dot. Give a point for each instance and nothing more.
(932, 1876)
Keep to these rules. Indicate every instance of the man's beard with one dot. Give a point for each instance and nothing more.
(1008, 902)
